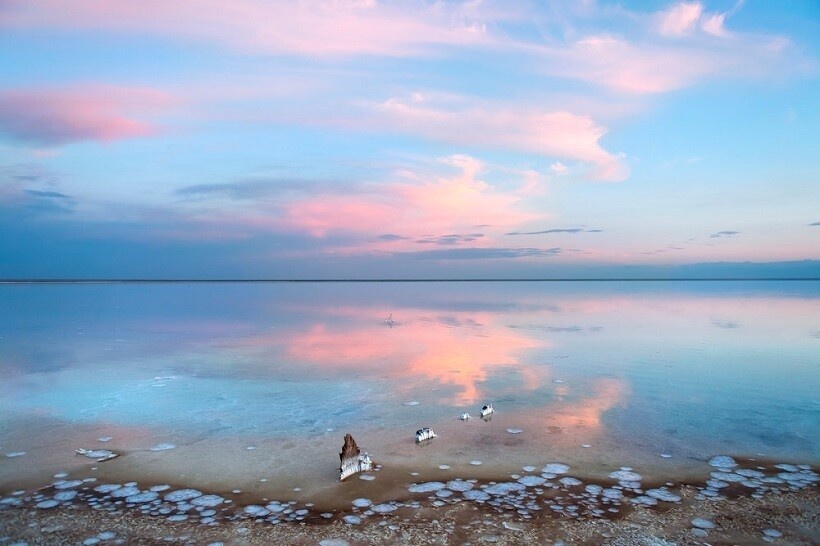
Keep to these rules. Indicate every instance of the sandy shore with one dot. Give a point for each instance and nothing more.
(795, 516)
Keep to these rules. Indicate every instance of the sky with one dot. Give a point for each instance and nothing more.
(405, 139)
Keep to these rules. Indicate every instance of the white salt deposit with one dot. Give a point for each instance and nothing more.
(444, 493)
(182, 495)
(367, 477)
(663, 494)
(702, 523)
(178, 517)
(385, 508)
(12, 454)
(208, 500)
(160, 488)
(143, 497)
(350, 519)
(476, 495)
(531, 481)
(427, 487)
(97, 453)
(570, 482)
(593, 489)
(68, 484)
(50, 503)
(459, 485)
(362, 502)
(61, 475)
(475, 463)
(644, 500)
(528, 469)
(444, 466)
(163, 447)
(722, 461)
(612, 494)
(105, 439)
(256, 511)
(625, 476)
(787, 467)
(515, 430)
(730, 477)
(125, 492)
(504, 488)
(65, 496)
(107, 487)
(555, 468)
(773, 533)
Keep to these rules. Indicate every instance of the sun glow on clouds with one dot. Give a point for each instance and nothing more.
(419, 207)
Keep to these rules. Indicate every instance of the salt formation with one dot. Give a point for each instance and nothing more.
(487, 410)
(99, 454)
(464, 416)
(425, 433)
(353, 461)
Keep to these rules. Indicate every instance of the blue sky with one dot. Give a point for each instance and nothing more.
(411, 138)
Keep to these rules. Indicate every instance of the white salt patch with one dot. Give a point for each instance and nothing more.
(528, 469)
(107, 535)
(625, 476)
(749, 473)
(663, 494)
(475, 463)
(786, 467)
(613, 494)
(367, 477)
(384, 508)
(459, 485)
(15, 454)
(773, 533)
(503, 488)
(593, 489)
(61, 475)
(333, 542)
(256, 510)
(586, 445)
(90, 541)
(98, 454)
(362, 503)
(208, 500)
(701, 523)
(65, 495)
(644, 500)
(178, 517)
(107, 488)
(50, 503)
(68, 485)
(352, 520)
(182, 495)
(531, 481)
(163, 447)
(427, 487)
(444, 493)
(569, 482)
(145, 496)
(730, 477)
(411, 403)
(515, 430)
(722, 461)
(160, 488)
(555, 468)
(476, 495)
(105, 439)
(125, 492)
(444, 466)
(666, 455)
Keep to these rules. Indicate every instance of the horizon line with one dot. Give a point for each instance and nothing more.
(388, 280)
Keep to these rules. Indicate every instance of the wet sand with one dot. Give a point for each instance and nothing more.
(794, 515)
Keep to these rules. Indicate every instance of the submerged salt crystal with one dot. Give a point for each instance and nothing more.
(702, 523)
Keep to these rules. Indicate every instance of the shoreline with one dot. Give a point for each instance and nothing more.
(788, 518)
(526, 507)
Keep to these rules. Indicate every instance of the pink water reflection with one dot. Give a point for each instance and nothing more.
(460, 350)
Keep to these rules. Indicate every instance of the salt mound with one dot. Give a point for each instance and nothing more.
(625, 476)
(126, 491)
(531, 481)
(256, 511)
(384, 508)
(208, 500)
(476, 495)
(459, 485)
(503, 488)
(142, 497)
(362, 503)
(569, 482)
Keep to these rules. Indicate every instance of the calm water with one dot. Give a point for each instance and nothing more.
(256, 384)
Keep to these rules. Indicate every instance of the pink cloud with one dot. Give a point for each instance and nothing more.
(551, 133)
(331, 27)
(421, 205)
(680, 19)
(62, 116)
